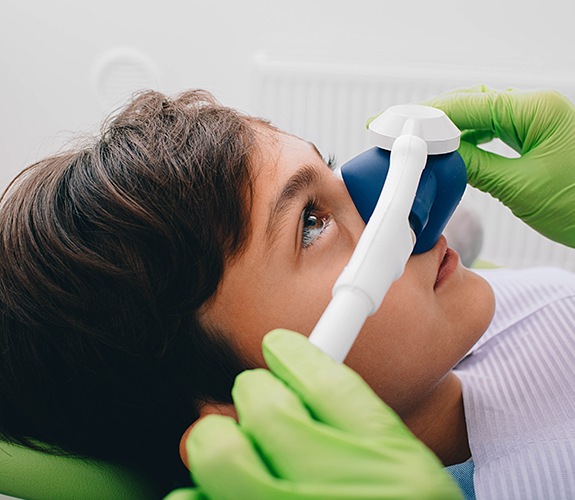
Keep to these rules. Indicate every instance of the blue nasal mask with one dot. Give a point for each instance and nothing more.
(405, 188)
(440, 189)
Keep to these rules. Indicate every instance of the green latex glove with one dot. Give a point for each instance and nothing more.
(539, 187)
(310, 429)
(187, 494)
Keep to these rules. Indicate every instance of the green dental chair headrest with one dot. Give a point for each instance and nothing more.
(34, 475)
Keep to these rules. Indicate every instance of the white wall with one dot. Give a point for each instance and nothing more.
(49, 50)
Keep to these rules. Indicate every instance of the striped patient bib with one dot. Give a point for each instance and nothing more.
(519, 388)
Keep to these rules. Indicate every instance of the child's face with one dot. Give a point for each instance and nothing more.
(304, 230)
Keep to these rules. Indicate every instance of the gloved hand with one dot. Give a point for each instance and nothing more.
(310, 429)
(539, 187)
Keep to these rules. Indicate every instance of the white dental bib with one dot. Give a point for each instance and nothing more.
(519, 388)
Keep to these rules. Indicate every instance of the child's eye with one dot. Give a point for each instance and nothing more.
(313, 225)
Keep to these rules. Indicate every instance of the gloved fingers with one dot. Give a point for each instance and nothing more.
(546, 122)
(300, 449)
(186, 494)
(474, 89)
(215, 437)
(500, 176)
(476, 137)
(504, 114)
(275, 418)
(479, 88)
(278, 451)
(226, 464)
(521, 119)
(371, 118)
(217, 444)
(467, 110)
(332, 392)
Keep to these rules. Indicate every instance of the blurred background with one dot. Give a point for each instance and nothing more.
(318, 68)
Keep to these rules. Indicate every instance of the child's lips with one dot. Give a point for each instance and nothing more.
(448, 264)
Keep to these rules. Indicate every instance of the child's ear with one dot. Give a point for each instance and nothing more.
(227, 410)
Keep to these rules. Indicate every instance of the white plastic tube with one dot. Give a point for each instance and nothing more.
(381, 253)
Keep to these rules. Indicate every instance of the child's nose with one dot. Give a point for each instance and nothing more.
(353, 220)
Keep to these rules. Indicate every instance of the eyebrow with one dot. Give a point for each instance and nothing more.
(307, 176)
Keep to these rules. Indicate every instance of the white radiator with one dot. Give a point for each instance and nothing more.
(329, 103)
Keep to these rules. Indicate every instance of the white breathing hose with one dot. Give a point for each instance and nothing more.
(381, 253)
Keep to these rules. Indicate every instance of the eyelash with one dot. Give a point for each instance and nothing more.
(331, 162)
(312, 208)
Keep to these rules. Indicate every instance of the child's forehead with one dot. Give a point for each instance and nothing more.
(280, 156)
(278, 143)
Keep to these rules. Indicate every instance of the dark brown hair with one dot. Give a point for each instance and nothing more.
(106, 255)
